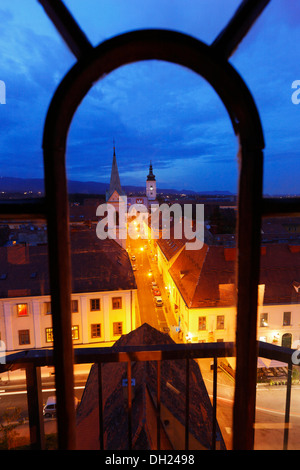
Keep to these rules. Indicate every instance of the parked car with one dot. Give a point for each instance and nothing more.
(49, 410)
(134, 268)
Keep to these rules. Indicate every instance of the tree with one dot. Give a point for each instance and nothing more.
(10, 421)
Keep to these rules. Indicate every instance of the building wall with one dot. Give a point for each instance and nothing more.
(275, 329)
(217, 324)
(189, 317)
(36, 325)
(273, 332)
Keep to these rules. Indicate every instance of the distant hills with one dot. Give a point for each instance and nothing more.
(15, 185)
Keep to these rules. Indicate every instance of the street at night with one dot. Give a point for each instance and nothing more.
(147, 272)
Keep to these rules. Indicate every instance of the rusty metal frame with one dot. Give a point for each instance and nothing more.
(191, 53)
(211, 63)
(33, 360)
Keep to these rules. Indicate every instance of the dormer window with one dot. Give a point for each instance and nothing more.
(296, 286)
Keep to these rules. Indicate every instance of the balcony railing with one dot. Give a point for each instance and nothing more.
(33, 360)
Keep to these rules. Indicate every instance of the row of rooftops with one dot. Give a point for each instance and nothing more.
(97, 265)
(204, 276)
(200, 275)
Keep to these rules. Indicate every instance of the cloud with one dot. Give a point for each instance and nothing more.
(154, 110)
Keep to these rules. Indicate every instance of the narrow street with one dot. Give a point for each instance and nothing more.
(147, 272)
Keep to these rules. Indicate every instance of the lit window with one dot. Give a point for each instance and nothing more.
(117, 328)
(47, 308)
(22, 310)
(49, 335)
(286, 318)
(75, 332)
(263, 319)
(116, 303)
(202, 323)
(24, 337)
(96, 330)
(220, 322)
(95, 304)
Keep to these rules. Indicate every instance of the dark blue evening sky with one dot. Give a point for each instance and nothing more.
(154, 110)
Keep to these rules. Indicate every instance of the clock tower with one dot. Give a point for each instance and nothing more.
(151, 185)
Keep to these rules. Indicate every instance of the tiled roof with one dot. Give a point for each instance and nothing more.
(143, 404)
(97, 265)
(170, 247)
(206, 278)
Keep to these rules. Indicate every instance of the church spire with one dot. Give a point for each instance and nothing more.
(150, 176)
(115, 184)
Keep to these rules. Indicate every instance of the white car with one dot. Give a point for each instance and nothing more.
(159, 301)
(49, 410)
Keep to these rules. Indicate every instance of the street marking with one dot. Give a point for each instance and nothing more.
(268, 410)
(45, 390)
(273, 425)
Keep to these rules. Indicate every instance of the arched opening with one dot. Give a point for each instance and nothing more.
(286, 340)
(186, 51)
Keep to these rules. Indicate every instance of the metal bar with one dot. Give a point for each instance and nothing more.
(21, 210)
(129, 405)
(155, 352)
(187, 402)
(59, 254)
(100, 398)
(214, 423)
(248, 270)
(287, 406)
(35, 407)
(239, 25)
(275, 207)
(67, 27)
(158, 405)
(44, 357)
(271, 351)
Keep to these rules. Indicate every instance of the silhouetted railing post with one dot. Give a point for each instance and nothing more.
(287, 406)
(214, 423)
(100, 396)
(35, 407)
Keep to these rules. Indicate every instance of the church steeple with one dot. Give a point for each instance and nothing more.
(115, 184)
(151, 185)
(150, 176)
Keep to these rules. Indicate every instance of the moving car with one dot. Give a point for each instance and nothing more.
(156, 293)
(159, 302)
